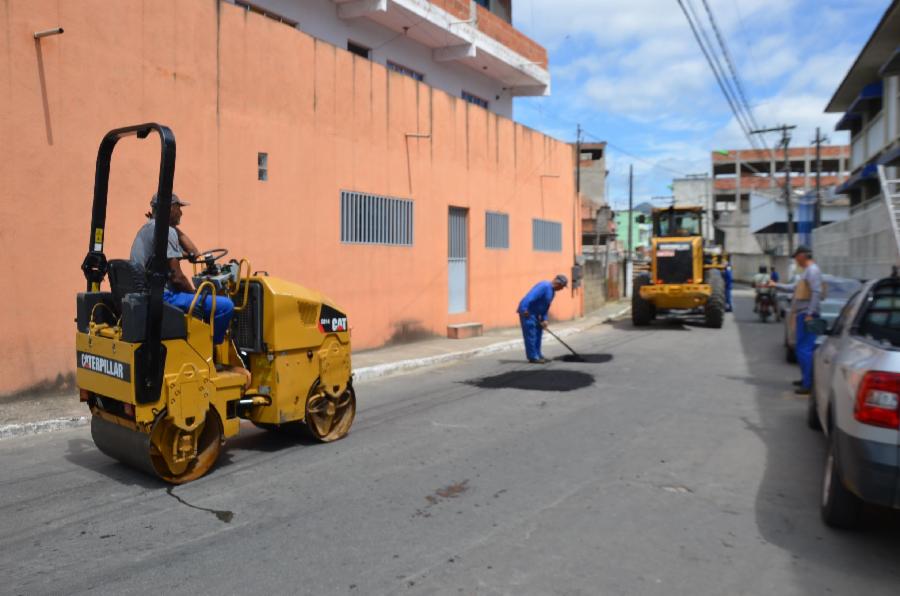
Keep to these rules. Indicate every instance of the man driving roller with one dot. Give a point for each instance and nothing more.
(179, 290)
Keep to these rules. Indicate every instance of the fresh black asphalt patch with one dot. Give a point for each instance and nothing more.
(536, 380)
(586, 358)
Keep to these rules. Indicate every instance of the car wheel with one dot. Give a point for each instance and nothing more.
(840, 508)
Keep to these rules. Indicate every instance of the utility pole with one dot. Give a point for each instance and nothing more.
(818, 213)
(630, 248)
(785, 131)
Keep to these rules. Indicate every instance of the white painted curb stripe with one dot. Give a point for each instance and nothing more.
(361, 374)
(42, 426)
(368, 373)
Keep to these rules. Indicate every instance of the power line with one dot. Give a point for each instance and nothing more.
(712, 65)
(727, 83)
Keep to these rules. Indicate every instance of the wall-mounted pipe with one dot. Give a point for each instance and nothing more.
(48, 32)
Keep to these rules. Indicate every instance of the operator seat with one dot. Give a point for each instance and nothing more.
(125, 278)
(131, 297)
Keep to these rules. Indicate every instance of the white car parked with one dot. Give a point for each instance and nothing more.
(856, 401)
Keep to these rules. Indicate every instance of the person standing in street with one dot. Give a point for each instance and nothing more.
(808, 292)
(533, 315)
(728, 276)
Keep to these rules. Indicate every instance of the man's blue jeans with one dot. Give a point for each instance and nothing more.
(804, 349)
(532, 333)
(224, 310)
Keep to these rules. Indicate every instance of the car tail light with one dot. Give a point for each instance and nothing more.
(878, 400)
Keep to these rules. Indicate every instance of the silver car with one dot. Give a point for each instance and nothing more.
(838, 291)
(856, 401)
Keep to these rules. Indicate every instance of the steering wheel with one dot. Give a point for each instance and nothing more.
(208, 257)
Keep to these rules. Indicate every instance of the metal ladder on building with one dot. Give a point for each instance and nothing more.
(890, 190)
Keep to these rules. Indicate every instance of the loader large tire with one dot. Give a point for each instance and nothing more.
(714, 311)
(641, 310)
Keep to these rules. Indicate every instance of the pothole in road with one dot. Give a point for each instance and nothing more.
(536, 380)
(586, 358)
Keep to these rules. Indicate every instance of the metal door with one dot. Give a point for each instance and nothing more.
(458, 260)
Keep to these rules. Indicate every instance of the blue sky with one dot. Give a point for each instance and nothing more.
(632, 74)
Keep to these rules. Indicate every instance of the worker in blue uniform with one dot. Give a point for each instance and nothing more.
(728, 276)
(533, 315)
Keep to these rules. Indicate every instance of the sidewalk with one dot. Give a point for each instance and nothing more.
(46, 412)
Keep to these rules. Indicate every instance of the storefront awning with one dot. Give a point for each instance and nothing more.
(870, 171)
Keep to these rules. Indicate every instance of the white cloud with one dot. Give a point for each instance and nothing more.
(635, 68)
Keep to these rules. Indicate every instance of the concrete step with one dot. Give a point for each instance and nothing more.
(465, 330)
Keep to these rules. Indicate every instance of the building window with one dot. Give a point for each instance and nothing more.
(405, 71)
(359, 50)
(374, 219)
(546, 235)
(262, 166)
(474, 99)
(251, 7)
(484, 3)
(496, 230)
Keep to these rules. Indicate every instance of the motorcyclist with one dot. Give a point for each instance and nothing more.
(761, 284)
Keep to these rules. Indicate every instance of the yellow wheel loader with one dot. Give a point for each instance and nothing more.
(162, 396)
(685, 278)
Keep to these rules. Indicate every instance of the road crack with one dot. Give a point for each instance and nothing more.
(221, 515)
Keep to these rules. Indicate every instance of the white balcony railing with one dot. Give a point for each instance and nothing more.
(868, 142)
(858, 151)
(875, 135)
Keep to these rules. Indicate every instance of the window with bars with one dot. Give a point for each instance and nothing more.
(375, 219)
(405, 70)
(262, 166)
(496, 230)
(546, 235)
(474, 99)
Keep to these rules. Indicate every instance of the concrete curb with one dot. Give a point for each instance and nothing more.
(42, 426)
(390, 369)
(367, 373)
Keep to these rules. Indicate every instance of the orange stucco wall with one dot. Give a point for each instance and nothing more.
(231, 84)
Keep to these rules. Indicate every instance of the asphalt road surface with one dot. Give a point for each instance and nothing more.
(676, 462)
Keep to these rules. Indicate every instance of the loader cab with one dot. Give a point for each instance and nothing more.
(677, 223)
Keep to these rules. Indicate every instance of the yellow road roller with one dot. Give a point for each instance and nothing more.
(163, 397)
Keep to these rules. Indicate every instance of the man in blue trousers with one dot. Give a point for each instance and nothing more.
(179, 289)
(728, 277)
(533, 315)
(807, 296)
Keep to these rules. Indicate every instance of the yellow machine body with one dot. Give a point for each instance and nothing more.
(301, 356)
(683, 274)
(162, 396)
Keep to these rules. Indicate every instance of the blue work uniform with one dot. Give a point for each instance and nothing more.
(536, 303)
(142, 252)
(805, 344)
(728, 276)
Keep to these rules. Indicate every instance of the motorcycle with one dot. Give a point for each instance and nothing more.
(765, 305)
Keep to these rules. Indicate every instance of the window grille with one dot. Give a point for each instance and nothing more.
(546, 235)
(404, 70)
(474, 99)
(496, 230)
(374, 219)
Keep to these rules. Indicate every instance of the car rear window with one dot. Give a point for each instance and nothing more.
(881, 318)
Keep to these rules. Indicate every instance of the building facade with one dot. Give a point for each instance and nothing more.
(738, 173)
(865, 245)
(284, 140)
(467, 48)
(696, 191)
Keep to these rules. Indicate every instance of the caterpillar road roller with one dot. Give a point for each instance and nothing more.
(163, 397)
(685, 277)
